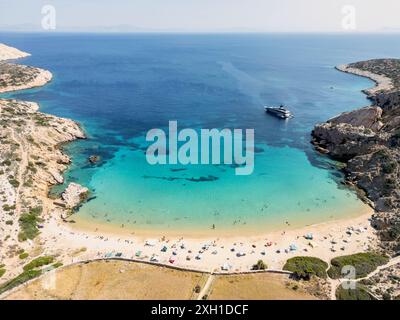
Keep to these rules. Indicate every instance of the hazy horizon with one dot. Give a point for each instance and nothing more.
(207, 16)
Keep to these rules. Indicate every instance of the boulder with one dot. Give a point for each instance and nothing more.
(56, 176)
(94, 159)
(368, 117)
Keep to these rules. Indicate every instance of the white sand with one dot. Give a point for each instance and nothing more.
(329, 240)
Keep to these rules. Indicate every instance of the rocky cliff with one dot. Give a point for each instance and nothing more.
(368, 141)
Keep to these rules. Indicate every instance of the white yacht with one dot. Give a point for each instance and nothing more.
(280, 112)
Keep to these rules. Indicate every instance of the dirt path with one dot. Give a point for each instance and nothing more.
(207, 287)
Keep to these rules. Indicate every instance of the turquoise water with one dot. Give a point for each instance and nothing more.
(120, 86)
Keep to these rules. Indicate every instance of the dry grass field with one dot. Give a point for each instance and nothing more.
(130, 280)
(113, 280)
(260, 286)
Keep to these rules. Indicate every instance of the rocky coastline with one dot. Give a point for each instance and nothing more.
(367, 140)
(31, 161)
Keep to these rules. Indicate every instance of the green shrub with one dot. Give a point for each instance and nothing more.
(2, 272)
(396, 134)
(359, 293)
(383, 154)
(260, 265)
(14, 183)
(23, 255)
(39, 262)
(23, 277)
(364, 263)
(36, 210)
(57, 265)
(6, 163)
(389, 167)
(7, 207)
(306, 267)
(28, 223)
(387, 296)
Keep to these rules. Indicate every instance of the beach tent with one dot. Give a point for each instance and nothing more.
(226, 267)
(172, 259)
(150, 243)
(309, 236)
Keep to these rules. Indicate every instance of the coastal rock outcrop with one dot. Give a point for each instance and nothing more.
(74, 194)
(368, 117)
(368, 141)
(31, 160)
(344, 141)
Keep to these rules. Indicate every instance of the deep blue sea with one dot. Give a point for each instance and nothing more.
(118, 86)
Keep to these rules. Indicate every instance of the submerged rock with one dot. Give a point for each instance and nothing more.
(94, 159)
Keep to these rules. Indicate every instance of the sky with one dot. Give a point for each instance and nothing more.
(204, 15)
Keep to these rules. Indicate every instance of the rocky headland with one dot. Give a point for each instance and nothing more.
(368, 142)
(18, 77)
(31, 161)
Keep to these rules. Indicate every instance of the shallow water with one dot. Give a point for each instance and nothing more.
(120, 86)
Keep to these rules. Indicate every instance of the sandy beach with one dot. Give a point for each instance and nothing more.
(240, 252)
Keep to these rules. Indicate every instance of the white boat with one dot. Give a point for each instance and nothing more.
(280, 112)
